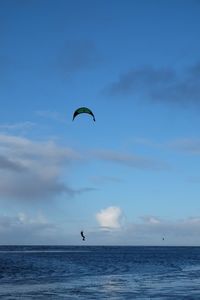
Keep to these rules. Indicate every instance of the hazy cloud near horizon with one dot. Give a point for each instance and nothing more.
(23, 229)
(114, 230)
(146, 230)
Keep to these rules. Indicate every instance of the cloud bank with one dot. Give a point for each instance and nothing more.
(33, 169)
(23, 229)
(148, 230)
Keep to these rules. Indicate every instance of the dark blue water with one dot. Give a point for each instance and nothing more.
(43, 272)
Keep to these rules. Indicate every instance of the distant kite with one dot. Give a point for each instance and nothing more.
(82, 110)
(82, 235)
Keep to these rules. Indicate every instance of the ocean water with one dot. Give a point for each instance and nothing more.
(89, 272)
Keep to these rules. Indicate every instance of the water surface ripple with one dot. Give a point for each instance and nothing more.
(89, 272)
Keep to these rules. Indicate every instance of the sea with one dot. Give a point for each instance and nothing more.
(99, 272)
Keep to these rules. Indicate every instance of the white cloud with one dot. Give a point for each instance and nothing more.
(110, 217)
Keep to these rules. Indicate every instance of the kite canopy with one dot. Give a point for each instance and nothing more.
(82, 110)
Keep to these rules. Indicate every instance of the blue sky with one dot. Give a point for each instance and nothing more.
(131, 177)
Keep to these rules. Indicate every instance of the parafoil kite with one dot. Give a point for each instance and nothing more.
(83, 110)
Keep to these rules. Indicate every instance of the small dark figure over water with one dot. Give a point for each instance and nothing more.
(163, 238)
(82, 235)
